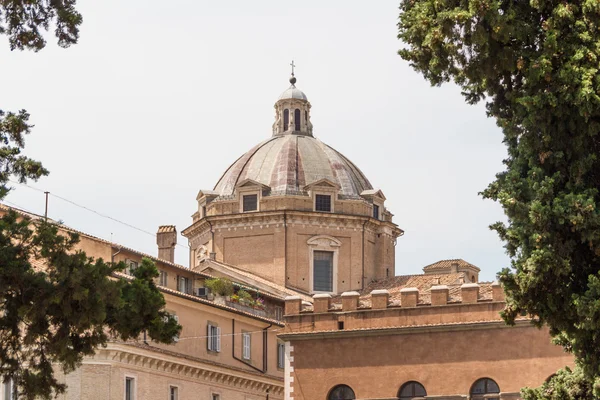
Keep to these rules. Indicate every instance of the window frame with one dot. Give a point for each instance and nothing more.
(323, 194)
(330, 254)
(323, 243)
(10, 386)
(171, 387)
(412, 395)
(246, 346)
(213, 338)
(163, 278)
(133, 387)
(486, 394)
(280, 355)
(340, 386)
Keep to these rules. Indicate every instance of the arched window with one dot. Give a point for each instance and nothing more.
(297, 119)
(286, 119)
(411, 390)
(341, 392)
(483, 387)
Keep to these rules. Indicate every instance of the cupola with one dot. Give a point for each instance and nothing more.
(292, 112)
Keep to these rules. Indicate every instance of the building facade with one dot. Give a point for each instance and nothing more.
(299, 227)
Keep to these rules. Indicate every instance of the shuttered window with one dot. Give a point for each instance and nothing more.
(213, 338)
(246, 346)
(280, 355)
(323, 271)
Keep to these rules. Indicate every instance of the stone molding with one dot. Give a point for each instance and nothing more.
(195, 370)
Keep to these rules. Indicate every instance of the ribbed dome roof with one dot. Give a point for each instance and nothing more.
(293, 93)
(288, 163)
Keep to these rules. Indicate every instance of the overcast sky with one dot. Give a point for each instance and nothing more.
(158, 98)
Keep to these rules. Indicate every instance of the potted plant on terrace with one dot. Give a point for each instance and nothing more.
(221, 287)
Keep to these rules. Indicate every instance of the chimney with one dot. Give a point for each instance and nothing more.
(166, 239)
(454, 268)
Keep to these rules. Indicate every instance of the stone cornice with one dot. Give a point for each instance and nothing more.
(402, 330)
(292, 217)
(203, 371)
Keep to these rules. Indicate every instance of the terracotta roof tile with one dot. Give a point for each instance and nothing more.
(166, 228)
(447, 264)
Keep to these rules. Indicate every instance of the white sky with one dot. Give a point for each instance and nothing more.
(158, 98)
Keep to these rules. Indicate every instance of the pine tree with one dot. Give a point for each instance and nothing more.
(535, 64)
(58, 305)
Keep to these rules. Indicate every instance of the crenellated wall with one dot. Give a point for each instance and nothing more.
(376, 345)
(325, 315)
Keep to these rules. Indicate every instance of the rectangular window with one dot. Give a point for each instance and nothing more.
(8, 389)
(216, 396)
(162, 281)
(246, 346)
(129, 388)
(185, 285)
(174, 393)
(279, 313)
(323, 271)
(213, 338)
(203, 211)
(250, 202)
(131, 266)
(375, 211)
(280, 355)
(323, 202)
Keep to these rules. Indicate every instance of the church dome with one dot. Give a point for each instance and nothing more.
(288, 163)
(293, 93)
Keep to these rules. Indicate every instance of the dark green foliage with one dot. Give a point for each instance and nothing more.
(56, 304)
(564, 385)
(22, 20)
(536, 64)
(13, 128)
(220, 286)
(59, 305)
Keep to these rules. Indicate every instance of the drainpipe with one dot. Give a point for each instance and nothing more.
(112, 257)
(285, 248)
(264, 368)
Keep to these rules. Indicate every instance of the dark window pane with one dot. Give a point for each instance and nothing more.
(286, 119)
(250, 202)
(412, 389)
(375, 211)
(297, 119)
(323, 271)
(323, 202)
(341, 392)
(485, 386)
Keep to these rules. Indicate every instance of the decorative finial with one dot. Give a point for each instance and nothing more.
(293, 78)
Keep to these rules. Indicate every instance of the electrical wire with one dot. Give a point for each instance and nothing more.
(91, 210)
(226, 334)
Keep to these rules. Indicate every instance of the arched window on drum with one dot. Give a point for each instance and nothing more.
(297, 119)
(286, 119)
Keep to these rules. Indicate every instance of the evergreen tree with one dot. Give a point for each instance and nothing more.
(56, 304)
(535, 64)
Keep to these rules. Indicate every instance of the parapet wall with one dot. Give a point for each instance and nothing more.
(355, 312)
